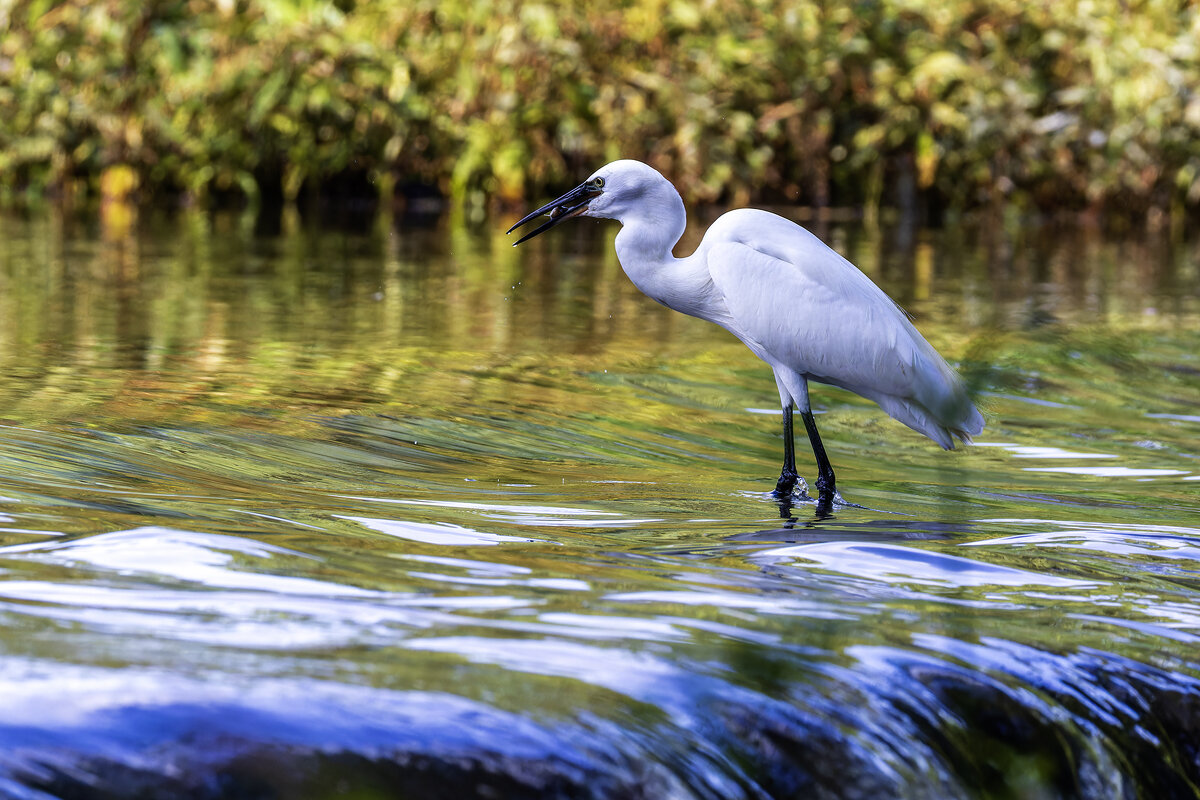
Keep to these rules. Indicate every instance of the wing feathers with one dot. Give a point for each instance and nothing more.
(815, 313)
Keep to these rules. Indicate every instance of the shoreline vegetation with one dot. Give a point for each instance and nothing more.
(1085, 106)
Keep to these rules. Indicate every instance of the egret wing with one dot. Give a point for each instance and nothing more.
(818, 315)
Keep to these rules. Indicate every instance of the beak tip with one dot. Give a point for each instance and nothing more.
(575, 201)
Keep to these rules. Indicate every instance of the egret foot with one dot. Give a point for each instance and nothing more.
(790, 485)
(827, 486)
(831, 501)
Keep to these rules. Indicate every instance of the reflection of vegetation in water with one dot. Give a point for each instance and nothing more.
(202, 314)
(975, 101)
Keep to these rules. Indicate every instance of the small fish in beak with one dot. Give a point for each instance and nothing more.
(571, 204)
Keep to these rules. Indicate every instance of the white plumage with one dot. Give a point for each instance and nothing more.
(798, 305)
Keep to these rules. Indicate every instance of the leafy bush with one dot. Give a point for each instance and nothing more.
(1081, 103)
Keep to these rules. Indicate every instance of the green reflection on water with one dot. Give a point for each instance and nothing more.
(375, 401)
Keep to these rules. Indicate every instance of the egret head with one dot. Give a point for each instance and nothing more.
(615, 191)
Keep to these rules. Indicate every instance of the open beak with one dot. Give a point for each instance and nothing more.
(571, 204)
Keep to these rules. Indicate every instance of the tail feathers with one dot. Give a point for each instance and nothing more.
(971, 426)
(969, 421)
(939, 406)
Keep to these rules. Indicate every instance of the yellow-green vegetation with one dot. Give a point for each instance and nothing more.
(1065, 104)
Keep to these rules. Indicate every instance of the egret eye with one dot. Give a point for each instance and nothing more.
(598, 183)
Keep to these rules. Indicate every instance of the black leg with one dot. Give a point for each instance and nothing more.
(788, 477)
(826, 482)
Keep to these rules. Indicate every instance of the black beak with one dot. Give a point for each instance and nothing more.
(571, 204)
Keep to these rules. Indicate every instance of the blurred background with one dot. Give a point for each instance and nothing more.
(931, 107)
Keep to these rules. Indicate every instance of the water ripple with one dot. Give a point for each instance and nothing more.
(440, 533)
(895, 564)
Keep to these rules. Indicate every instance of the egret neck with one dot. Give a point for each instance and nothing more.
(644, 247)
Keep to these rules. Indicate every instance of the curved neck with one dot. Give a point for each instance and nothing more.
(644, 246)
(649, 234)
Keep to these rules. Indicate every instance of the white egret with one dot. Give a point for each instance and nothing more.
(797, 304)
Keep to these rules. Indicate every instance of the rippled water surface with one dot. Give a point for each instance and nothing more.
(404, 512)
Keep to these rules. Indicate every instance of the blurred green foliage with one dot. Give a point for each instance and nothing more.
(1071, 103)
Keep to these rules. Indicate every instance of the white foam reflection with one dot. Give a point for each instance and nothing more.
(204, 558)
(1031, 451)
(766, 604)
(544, 516)
(255, 620)
(1176, 417)
(1034, 401)
(562, 584)
(229, 597)
(83, 707)
(642, 676)
(458, 504)
(1147, 541)
(1111, 472)
(1141, 546)
(608, 626)
(1057, 453)
(1141, 627)
(895, 564)
(560, 522)
(442, 533)
(274, 518)
(473, 566)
